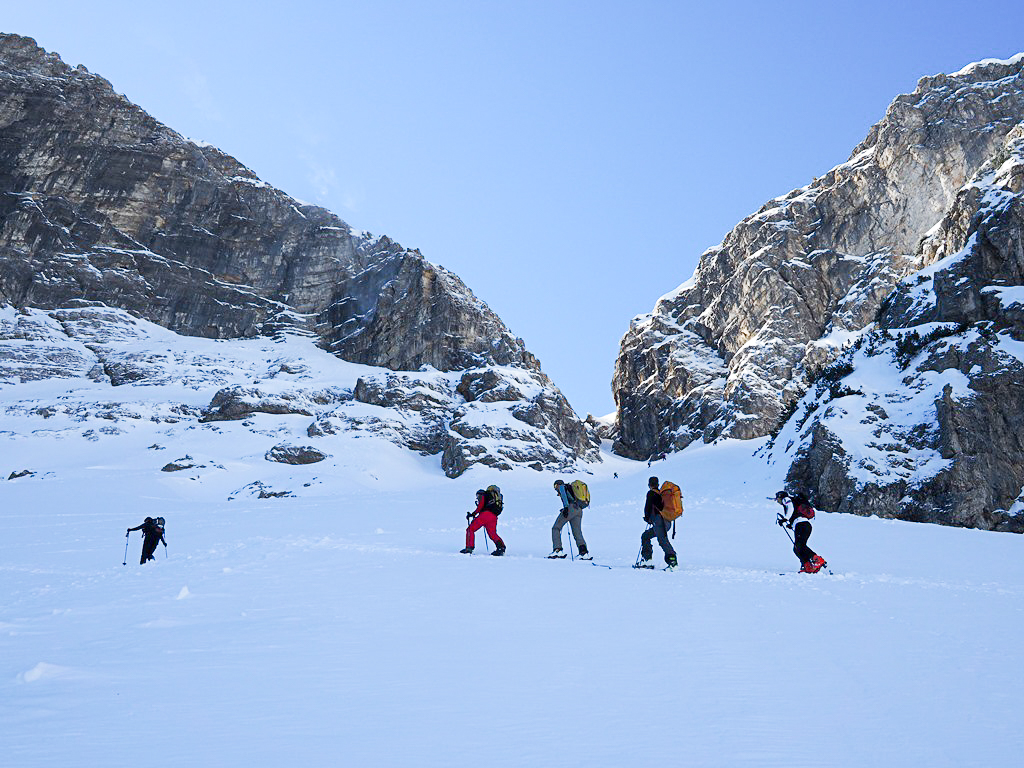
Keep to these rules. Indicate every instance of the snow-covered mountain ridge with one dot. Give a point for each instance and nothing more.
(102, 206)
(733, 350)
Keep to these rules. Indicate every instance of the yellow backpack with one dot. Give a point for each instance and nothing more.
(580, 492)
(672, 498)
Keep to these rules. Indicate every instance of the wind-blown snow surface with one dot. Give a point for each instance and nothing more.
(341, 627)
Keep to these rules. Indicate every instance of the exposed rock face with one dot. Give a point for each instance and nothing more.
(102, 206)
(731, 351)
(924, 418)
(497, 417)
(101, 203)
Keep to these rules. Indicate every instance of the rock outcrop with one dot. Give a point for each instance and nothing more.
(118, 371)
(731, 351)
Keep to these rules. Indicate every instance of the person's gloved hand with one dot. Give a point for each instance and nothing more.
(565, 513)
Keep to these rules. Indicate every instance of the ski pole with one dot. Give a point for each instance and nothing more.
(572, 557)
(781, 522)
(641, 550)
(125, 549)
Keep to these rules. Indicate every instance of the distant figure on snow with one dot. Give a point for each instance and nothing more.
(488, 506)
(800, 522)
(153, 533)
(657, 526)
(575, 497)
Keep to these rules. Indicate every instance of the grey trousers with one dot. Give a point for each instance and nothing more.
(660, 529)
(575, 525)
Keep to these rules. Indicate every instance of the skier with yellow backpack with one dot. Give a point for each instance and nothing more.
(662, 507)
(575, 497)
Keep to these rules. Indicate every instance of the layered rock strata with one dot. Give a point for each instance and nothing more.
(101, 203)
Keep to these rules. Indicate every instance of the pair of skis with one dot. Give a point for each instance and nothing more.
(586, 558)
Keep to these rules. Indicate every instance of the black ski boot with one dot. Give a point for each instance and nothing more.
(498, 552)
(466, 551)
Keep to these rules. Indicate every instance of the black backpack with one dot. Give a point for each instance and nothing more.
(494, 501)
(802, 505)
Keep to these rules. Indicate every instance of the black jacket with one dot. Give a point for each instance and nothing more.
(152, 531)
(652, 506)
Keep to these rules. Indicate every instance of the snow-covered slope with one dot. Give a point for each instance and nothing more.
(100, 373)
(339, 626)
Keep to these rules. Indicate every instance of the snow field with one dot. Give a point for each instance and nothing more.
(341, 627)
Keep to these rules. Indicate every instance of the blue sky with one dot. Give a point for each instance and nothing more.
(569, 160)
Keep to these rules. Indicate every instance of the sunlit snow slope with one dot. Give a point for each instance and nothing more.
(342, 628)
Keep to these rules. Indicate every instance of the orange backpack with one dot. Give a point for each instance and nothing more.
(672, 499)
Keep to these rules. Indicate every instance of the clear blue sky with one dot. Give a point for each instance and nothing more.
(569, 160)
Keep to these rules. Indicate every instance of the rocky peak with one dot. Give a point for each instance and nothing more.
(730, 351)
(101, 206)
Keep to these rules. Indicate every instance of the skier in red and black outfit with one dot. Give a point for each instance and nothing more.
(488, 507)
(800, 522)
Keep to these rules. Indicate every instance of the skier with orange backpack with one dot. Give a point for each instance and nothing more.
(800, 522)
(661, 507)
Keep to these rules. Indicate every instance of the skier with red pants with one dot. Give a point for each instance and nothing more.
(488, 506)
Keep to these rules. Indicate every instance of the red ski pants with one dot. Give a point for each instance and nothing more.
(489, 522)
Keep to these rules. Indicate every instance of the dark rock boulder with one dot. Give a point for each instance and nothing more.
(295, 454)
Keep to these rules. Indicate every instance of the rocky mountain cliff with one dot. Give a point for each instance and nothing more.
(911, 246)
(923, 416)
(102, 206)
